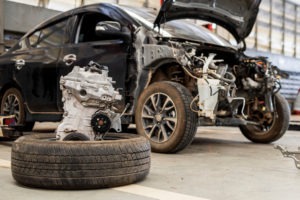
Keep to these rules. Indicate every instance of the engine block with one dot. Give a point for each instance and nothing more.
(88, 97)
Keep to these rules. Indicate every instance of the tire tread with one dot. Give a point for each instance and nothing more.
(81, 164)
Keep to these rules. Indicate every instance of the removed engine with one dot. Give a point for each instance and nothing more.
(89, 98)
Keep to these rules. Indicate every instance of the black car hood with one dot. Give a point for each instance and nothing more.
(237, 16)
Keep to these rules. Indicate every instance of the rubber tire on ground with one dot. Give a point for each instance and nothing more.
(278, 128)
(40, 161)
(28, 126)
(187, 120)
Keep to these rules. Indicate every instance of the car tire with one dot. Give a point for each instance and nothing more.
(41, 161)
(163, 115)
(12, 103)
(279, 125)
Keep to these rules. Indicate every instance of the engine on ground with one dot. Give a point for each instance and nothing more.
(89, 98)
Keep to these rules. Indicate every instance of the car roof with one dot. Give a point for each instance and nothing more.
(87, 8)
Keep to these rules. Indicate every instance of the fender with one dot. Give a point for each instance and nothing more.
(150, 54)
(150, 58)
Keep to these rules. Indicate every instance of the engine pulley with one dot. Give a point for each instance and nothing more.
(100, 123)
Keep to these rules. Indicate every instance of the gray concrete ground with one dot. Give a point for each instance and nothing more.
(219, 165)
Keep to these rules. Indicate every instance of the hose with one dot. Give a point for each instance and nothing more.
(193, 102)
(227, 80)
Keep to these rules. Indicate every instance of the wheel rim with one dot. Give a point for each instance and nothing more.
(266, 119)
(159, 117)
(12, 106)
(266, 123)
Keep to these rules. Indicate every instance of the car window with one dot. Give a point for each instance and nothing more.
(52, 35)
(86, 31)
(34, 38)
(23, 45)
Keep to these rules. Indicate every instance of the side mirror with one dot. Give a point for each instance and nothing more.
(107, 27)
(112, 30)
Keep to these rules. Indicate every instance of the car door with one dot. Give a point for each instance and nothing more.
(87, 46)
(36, 71)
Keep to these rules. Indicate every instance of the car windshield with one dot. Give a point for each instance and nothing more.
(176, 28)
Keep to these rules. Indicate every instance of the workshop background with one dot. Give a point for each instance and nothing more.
(220, 163)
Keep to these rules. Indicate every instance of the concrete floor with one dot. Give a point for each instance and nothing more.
(219, 165)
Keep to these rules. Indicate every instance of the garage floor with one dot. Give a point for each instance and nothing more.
(219, 165)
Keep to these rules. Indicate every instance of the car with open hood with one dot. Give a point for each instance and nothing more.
(173, 75)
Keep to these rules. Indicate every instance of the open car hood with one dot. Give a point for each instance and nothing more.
(237, 16)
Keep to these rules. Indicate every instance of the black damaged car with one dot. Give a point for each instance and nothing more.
(174, 76)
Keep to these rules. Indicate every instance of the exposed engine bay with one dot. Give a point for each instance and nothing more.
(241, 91)
(89, 98)
(210, 74)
